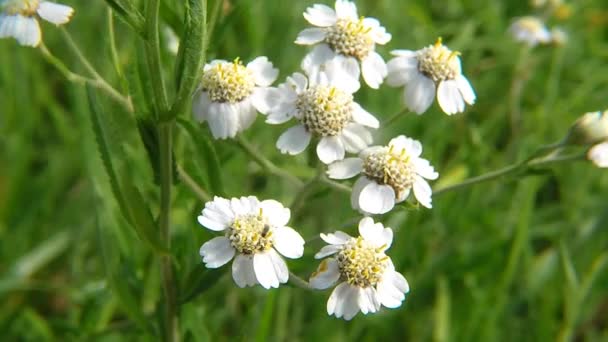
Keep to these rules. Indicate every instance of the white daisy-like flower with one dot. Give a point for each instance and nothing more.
(231, 94)
(341, 34)
(388, 174)
(530, 30)
(324, 108)
(589, 129)
(254, 232)
(366, 274)
(433, 69)
(19, 19)
(598, 154)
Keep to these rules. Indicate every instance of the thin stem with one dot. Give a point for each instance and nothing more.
(165, 132)
(394, 117)
(333, 184)
(112, 38)
(265, 163)
(520, 78)
(152, 47)
(77, 78)
(191, 183)
(299, 282)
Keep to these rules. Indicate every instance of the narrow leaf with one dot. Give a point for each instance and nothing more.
(129, 13)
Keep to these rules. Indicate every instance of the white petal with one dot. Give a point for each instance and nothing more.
(401, 70)
(403, 195)
(375, 233)
(598, 154)
(244, 205)
(449, 97)
(288, 242)
(217, 252)
(298, 82)
(242, 271)
(392, 288)
(265, 99)
(424, 168)
(247, 114)
(263, 71)
(326, 274)
(337, 238)
(264, 268)
(320, 15)
(464, 86)
(404, 53)
(346, 9)
(294, 140)
(341, 72)
(320, 54)
(55, 13)
(330, 149)
(200, 106)
(355, 138)
(363, 117)
(343, 301)
(345, 169)
(422, 191)
(223, 119)
(367, 300)
(378, 33)
(217, 214)
(419, 93)
(282, 113)
(310, 36)
(411, 146)
(327, 250)
(377, 198)
(374, 70)
(356, 191)
(336, 298)
(277, 214)
(280, 267)
(24, 29)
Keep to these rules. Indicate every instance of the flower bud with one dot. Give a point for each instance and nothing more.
(589, 129)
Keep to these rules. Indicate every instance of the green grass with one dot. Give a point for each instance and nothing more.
(519, 259)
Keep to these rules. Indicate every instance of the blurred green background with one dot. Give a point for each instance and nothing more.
(520, 259)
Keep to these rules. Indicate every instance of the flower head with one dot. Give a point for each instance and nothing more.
(325, 108)
(366, 274)
(19, 19)
(231, 94)
(598, 154)
(589, 129)
(254, 231)
(433, 69)
(388, 174)
(530, 30)
(344, 36)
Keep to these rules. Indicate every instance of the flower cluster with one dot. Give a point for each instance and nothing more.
(591, 129)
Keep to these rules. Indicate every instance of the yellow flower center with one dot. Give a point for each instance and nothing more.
(250, 234)
(390, 167)
(22, 7)
(361, 264)
(228, 82)
(324, 110)
(350, 38)
(438, 62)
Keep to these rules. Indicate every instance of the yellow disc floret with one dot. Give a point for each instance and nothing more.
(350, 38)
(22, 7)
(438, 62)
(324, 110)
(250, 234)
(228, 82)
(391, 167)
(360, 263)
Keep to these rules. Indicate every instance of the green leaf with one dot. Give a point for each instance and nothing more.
(199, 280)
(207, 152)
(191, 54)
(129, 13)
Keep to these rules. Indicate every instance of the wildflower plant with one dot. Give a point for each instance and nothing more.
(262, 212)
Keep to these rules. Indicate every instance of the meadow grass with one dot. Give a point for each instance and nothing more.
(522, 258)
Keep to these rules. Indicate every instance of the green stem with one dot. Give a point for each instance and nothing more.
(152, 48)
(299, 282)
(191, 183)
(165, 132)
(335, 185)
(394, 117)
(265, 163)
(520, 77)
(112, 38)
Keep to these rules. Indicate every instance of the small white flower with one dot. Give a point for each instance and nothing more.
(19, 19)
(366, 274)
(231, 94)
(325, 108)
(590, 128)
(598, 154)
(342, 35)
(253, 231)
(433, 69)
(389, 173)
(530, 30)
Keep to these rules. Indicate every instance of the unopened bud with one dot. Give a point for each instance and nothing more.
(591, 128)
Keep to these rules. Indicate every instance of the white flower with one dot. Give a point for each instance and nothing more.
(433, 69)
(389, 173)
(530, 30)
(253, 231)
(366, 274)
(346, 37)
(231, 93)
(589, 129)
(598, 154)
(324, 108)
(19, 19)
